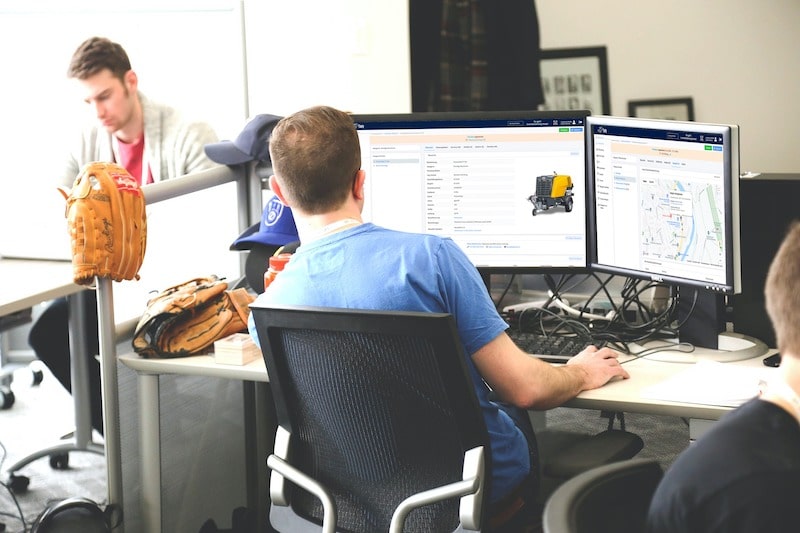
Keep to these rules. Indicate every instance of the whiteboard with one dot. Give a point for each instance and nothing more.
(189, 54)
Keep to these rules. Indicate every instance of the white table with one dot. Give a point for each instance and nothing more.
(260, 429)
(621, 395)
(25, 283)
(625, 395)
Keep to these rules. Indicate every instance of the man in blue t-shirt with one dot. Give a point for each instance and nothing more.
(344, 262)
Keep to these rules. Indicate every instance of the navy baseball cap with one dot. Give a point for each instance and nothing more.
(252, 144)
(275, 229)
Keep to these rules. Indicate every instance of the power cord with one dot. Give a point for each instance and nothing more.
(21, 516)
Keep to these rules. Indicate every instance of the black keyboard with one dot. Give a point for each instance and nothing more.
(550, 348)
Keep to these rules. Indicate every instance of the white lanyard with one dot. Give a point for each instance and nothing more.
(333, 227)
(145, 159)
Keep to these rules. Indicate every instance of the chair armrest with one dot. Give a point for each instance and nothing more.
(302, 480)
(471, 486)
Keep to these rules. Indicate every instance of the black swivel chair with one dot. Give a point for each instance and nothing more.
(613, 497)
(378, 422)
(565, 454)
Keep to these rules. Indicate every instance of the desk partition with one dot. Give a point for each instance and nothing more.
(191, 222)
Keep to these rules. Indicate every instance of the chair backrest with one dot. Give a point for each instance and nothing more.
(613, 497)
(379, 405)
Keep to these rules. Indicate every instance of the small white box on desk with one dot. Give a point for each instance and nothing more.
(236, 349)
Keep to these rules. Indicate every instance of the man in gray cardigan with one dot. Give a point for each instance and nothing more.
(151, 141)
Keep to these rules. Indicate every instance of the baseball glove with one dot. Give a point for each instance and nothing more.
(187, 318)
(107, 223)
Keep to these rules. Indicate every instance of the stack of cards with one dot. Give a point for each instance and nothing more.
(236, 349)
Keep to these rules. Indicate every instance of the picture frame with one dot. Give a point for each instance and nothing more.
(681, 108)
(575, 78)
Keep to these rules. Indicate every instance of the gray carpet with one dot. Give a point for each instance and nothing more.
(41, 414)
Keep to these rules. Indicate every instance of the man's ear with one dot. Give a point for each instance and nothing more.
(131, 81)
(276, 188)
(358, 184)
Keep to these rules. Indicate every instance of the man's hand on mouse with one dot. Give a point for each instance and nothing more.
(601, 365)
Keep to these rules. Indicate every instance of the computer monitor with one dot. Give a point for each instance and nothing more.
(664, 205)
(507, 187)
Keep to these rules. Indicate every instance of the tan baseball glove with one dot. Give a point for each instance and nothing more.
(187, 318)
(107, 223)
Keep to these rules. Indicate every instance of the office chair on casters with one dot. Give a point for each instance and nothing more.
(565, 454)
(378, 422)
(613, 497)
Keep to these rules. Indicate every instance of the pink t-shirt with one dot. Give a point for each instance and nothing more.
(131, 157)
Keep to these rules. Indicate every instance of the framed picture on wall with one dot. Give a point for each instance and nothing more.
(662, 108)
(575, 78)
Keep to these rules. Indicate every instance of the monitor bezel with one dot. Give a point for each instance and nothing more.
(454, 118)
(730, 135)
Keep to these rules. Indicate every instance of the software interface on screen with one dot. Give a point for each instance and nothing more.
(665, 200)
(508, 188)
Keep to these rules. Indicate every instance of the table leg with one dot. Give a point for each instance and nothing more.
(150, 451)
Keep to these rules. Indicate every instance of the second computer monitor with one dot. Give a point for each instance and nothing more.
(664, 201)
(508, 187)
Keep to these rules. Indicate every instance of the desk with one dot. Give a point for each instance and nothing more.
(26, 283)
(257, 396)
(622, 395)
(625, 395)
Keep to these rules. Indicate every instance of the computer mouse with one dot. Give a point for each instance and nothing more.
(773, 360)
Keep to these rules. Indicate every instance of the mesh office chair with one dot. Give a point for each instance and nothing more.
(613, 497)
(378, 423)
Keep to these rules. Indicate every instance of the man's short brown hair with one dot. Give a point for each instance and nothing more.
(96, 54)
(316, 154)
(782, 292)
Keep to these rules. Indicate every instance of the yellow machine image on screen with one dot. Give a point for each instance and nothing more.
(552, 190)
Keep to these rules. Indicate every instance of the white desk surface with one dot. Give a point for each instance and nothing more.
(197, 365)
(25, 283)
(625, 395)
(621, 395)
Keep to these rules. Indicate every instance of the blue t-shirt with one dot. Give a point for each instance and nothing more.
(369, 267)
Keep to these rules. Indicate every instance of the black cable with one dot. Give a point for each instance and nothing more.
(632, 321)
(499, 303)
(21, 516)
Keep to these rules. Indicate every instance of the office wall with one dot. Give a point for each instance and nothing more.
(738, 59)
(351, 54)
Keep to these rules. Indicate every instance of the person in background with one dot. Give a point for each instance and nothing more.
(744, 474)
(151, 141)
(344, 262)
(276, 232)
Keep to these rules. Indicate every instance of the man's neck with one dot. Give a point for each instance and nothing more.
(313, 227)
(133, 130)
(785, 389)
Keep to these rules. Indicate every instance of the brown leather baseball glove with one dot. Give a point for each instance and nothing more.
(107, 223)
(187, 318)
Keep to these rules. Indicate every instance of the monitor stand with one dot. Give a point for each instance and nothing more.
(701, 332)
(701, 316)
(731, 347)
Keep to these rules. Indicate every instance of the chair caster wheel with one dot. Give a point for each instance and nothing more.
(18, 484)
(6, 398)
(59, 461)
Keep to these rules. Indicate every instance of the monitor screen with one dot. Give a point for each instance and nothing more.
(663, 201)
(508, 187)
